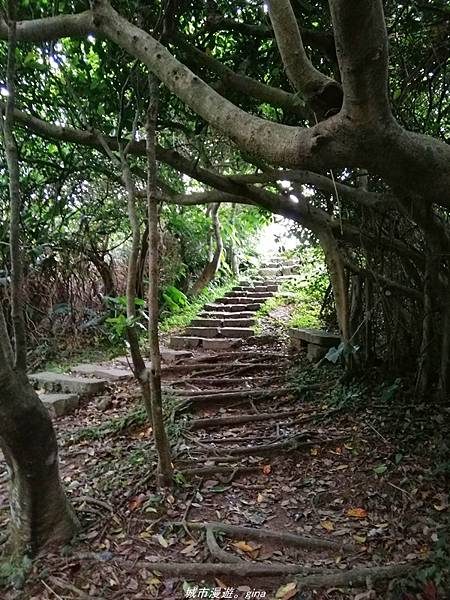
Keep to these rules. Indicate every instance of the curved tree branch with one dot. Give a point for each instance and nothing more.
(243, 83)
(362, 52)
(322, 93)
(51, 28)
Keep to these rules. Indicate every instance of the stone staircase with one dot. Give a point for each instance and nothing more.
(221, 325)
(61, 393)
(228, 321)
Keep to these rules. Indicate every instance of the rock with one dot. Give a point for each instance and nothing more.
(57, 382)
(102, 371)
(103, 403)
(59, 405)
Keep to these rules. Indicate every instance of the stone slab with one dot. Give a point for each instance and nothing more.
(227, 315)
(244, 307)
(237, 308)
(204, 332)
(315, 352)
(178, 342)
(102, 371)
(59, 405)
(57, 382)
(268, 272)
(238, 322)
(221, 343)
(206, 322)
(236, 332)
(314, 336)
(168, 355)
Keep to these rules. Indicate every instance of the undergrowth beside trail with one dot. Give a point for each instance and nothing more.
(306, 296)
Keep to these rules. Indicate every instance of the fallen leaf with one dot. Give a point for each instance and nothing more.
(244, 546)
(314, 452)
(285, 592)
(189, 548)
(360, 539)
(357, 513)
(164, 543)
(327, 525)
(136, 502)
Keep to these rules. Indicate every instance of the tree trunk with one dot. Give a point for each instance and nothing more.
(12, 160)
(232, 248)
(425, 374)
(339, 282)
(210, 270)
(40, 512)
(139, 368)
(159, 431)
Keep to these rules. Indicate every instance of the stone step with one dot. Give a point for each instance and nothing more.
(59, 405)
(184, 341)
(226, 315)
(222, 322)
(102, 371)
(170, 356)
(252, 294)
(251, 307)
(236, 332)
(221, 343)
(254, 290)
(179, 342)
(57, 382)
(202, 332)
(268, 272)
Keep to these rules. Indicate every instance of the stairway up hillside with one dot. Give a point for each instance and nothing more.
(227, 322)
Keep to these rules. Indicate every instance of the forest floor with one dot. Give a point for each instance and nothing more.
(352, 469)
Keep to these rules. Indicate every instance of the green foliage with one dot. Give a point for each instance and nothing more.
(174, 299)
(181, 318)
(119, 323)
(304, 294)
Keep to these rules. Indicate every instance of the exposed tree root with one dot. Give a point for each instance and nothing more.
(284, 538)
(202, 471)
(292, 443)
(356, 577)
(224, 381)
(258, 394)
(216, 551)
(312, 578)
(213, 422)
(243, 569)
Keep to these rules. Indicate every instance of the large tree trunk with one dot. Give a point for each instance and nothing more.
(40, 512)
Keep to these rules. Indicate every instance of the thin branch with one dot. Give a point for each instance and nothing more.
(12, 159)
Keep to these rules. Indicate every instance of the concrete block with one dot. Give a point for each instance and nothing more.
(220, 344)
(102, 371)
(236, 332)
(203, 332)
(178, 342)
(57, 382)
(59, 405)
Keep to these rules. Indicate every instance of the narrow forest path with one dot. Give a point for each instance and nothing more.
(279, 492)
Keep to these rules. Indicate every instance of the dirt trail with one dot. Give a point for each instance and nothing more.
(278, 493)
